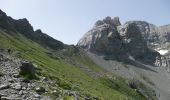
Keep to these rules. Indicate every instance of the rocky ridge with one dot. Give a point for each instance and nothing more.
(23, 26)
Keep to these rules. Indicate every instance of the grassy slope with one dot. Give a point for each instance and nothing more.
(59, 69)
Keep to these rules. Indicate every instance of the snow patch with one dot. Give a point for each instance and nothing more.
(163, 52)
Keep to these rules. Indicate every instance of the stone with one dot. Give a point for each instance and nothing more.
(37, 95)
(16, 75)
(16, 86)
(57, 93)
(10, 98)
(10, 80)
(24, 88)
(26, 80)
(20, 92)
(40, 89)
(4, 86)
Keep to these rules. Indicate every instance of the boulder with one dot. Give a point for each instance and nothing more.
(16, 86)
(40, 89)
(27, 68)
(4, 86)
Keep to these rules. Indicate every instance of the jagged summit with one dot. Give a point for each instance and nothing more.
(112, 22)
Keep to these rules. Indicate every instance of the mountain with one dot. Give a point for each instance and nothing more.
(110, 62)
(142, 47)
(119, 41)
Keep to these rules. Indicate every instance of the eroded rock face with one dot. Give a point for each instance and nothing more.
(157, 39)
(109, 38)
(135, 44)
(103, 38)
(133, 40)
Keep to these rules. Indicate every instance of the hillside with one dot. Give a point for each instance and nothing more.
(36, 66)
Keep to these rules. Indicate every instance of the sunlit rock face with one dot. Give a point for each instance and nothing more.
(103, 37)
(109, 38)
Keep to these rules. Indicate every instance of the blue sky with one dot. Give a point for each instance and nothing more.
(69, 20)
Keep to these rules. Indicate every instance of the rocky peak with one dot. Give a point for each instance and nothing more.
(118, 40)
(112, 22)
(23, 26)
(100, 38)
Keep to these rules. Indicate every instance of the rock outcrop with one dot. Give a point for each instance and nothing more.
(103, 38)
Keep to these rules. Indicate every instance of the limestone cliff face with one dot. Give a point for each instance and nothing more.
(134, 38)
(103, 38)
